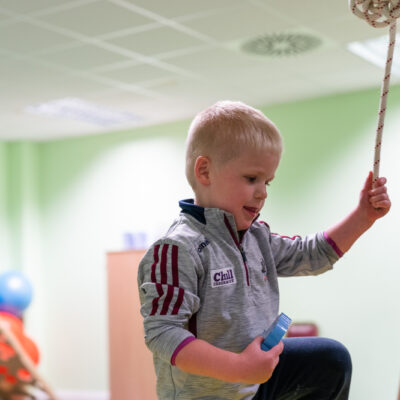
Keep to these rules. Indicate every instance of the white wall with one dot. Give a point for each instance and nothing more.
(130, 187)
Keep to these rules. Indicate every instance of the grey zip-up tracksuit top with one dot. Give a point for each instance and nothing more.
(202, 281)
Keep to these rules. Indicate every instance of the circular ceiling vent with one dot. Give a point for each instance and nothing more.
(281, 44)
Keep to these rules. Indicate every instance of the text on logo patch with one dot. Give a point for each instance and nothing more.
(223, 276)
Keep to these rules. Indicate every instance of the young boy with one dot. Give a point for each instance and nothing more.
(209, 287)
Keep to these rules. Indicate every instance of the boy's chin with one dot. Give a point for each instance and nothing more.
(243, 226)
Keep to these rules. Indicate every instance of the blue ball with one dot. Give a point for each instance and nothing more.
(15, 292)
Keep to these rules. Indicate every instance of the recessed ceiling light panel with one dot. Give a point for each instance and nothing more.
(84, 111)
(375, 51)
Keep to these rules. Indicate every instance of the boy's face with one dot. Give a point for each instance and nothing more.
(239, 186)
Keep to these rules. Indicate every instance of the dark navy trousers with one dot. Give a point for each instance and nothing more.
(309, 368)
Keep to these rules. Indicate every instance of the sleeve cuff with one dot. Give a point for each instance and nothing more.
(333, 245)
(180, 347)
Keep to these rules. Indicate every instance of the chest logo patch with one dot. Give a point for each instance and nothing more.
(222, 277)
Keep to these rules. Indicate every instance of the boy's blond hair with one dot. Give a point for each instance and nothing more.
(223, 130)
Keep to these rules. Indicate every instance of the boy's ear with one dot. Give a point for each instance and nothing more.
(202, 170)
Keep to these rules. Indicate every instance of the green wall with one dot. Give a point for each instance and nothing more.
(67, 202)
(317, 131)
(5, 230)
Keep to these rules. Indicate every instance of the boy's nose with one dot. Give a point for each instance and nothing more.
(261, 193)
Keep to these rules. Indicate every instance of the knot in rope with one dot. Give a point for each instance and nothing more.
(378, 13)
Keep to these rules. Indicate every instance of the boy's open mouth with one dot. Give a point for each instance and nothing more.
(251, 210)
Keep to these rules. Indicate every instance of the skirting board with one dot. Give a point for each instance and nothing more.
(77, 395)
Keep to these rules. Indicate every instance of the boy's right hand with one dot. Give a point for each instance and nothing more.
(258, 365)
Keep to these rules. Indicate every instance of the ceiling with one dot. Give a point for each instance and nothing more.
(164, 60)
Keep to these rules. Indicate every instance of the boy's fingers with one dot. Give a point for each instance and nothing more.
(381, 181)
(370, 186)
(379, 197)
(275, 353)
(276, 350)
(380, 190)
(368, 182)
(384, 204)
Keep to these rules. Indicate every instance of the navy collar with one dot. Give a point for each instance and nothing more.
(188, 207)
(198, 212)
(201, 214)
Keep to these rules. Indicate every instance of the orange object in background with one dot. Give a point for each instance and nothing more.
(16, 326)
(14, 323)
(6, 352)
(31, 349)
(302, 330)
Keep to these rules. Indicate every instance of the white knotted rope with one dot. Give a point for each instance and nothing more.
(380, 13)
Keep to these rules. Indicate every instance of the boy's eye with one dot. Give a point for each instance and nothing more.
(253, 179)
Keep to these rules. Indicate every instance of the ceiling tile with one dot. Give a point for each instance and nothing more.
(55, 88)
(138, 73)
(177, 99)
(281, 92)
(83, 57)
(115, 66)
(26, 38)
(98, 18)
(227, 25)
(112, 97)
(178, 8)
(348, 79)
(22, 125)
(307, 11)
(166, 60)
(347, 29)
(156, 41)
(259, 76)
(29, 83)
(124, 101)
(4, 17)
(322, 61)
(202, 90)
(29, 6)
(214, 59)
(21, 72)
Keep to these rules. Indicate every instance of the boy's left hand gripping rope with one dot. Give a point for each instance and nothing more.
(380, 13)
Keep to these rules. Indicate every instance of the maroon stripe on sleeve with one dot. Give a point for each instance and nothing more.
(160, 292)
(175, 276)
(163, 265)
(333, 245)
(178, 302)
(167, 301)
(286, 237)
(180, 347)
(154, 266)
